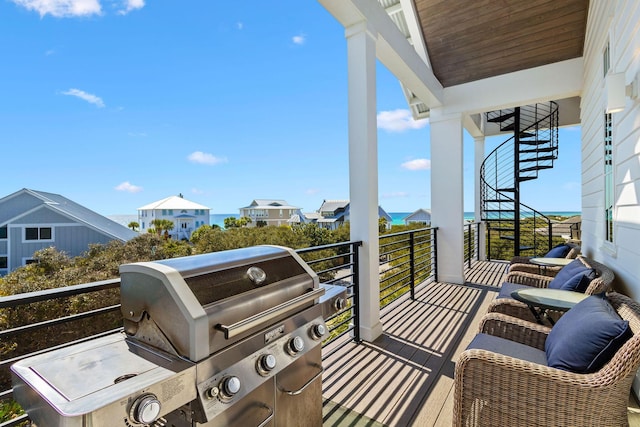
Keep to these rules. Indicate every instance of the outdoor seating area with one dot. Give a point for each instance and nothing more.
(448, 357)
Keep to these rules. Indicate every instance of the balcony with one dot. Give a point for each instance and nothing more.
(405, 377)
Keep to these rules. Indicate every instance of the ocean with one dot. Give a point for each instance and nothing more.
(396, 217)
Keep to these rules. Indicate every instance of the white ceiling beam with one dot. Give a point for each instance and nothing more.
(540, 84)
(392, 48)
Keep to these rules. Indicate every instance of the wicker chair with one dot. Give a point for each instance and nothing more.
(497, 390)
(523, 263)
(509, 306)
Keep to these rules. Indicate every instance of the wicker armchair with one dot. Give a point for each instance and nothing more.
(497, 390)
(512, 307)
(523, 263)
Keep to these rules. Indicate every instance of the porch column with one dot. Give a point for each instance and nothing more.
(447, 207)
(363, 171)
(478, 159)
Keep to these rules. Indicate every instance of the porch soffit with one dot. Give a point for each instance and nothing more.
(472, 40)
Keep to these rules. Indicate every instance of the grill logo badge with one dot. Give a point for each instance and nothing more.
(274, 334)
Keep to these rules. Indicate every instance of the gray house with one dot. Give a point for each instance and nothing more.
(32, 220)
(421, 216)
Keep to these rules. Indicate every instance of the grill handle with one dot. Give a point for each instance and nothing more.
(301, 389)
(269, 315)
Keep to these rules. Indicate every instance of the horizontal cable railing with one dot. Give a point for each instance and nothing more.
(37, 322)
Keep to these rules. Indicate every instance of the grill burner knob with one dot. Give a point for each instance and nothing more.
(145, 409)
(295, 345)
(230, 386)
(266, 363)
(339, 304)
(318, 331)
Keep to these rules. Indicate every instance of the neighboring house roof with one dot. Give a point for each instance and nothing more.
(172, 202)
(419, 215)
(312, 215)
(76, 212)
(333, 205)
(269, 204)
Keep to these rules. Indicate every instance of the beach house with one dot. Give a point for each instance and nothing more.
(185, 215)
(269, 212)
(334, 213)
(420, 216)
(31, 220)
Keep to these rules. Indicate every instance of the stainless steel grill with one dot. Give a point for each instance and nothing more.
(228, 338)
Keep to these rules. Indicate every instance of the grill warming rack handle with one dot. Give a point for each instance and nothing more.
(235, 329)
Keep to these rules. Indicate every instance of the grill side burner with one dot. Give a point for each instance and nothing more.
(222, 339)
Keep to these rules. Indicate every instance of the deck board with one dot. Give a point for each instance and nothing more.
(405, 377)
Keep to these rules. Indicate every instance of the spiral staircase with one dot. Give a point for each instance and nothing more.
(514, 228)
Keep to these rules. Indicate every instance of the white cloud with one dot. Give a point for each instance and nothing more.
(239, 25)
(50, 52)
(299, 39)
(130, 5)
(128, 187)
(90, 98)
(417, 164)
(197, 191)
(205, 158)
(399, 121)
(62, 8)
(312, 191)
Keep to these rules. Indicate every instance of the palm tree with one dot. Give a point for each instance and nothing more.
(133, 225)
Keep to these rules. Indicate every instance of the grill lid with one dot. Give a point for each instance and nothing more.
(194, 306)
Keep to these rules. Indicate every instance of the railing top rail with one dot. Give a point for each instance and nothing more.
(329, 246)
(48, 294)
(407, 232)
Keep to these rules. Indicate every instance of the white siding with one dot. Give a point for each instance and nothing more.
(618, 23)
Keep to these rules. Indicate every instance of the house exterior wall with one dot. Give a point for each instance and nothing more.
(200, 217)
(271, 215)
(615, 22)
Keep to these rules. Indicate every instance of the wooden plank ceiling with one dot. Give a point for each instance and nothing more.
(469, 40)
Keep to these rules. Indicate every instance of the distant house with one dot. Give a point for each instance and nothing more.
(186, 216)
(31, 220)
(421, 216)
(271, 212)
(334, 213)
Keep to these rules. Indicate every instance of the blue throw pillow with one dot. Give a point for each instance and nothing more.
(580, 281)
(586, 337)
(567, 272)
(560, 251)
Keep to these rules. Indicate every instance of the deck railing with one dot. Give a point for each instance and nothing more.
(407, 260)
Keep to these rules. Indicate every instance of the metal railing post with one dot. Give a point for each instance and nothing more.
(412, 267)
(435, 252)
(469, 245)
(356, 290)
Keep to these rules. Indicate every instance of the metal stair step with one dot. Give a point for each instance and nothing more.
(506, 190)
(535, 142)
(539, 150)
(527, 178)
(502, 118)
(535, 168)
(538, 159)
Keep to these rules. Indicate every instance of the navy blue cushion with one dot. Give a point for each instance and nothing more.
(568, 272)
(580, 281)
(587, 336)
(507, 288)
(508, 348)
(560, 251)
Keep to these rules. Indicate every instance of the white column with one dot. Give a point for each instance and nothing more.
(447, 207)
(478, 159)
(363, 171)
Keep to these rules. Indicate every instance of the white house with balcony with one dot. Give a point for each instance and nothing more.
(269, 212)
(186, 216)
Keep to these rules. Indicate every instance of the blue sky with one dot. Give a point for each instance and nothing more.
(116, 104)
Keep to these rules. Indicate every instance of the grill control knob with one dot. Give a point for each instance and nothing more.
(266, 364)
(318, 331)
(339, 304)
(145, 409)
(230, 386)
(295, 345)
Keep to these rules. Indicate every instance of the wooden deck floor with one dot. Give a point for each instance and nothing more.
(405, 378)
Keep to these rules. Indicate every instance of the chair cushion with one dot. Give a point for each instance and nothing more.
(587, 336)
(560, 251)
(508, 348)
(570, 277)
(507, 288)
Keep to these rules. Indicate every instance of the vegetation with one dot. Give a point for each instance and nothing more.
(134, 225)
